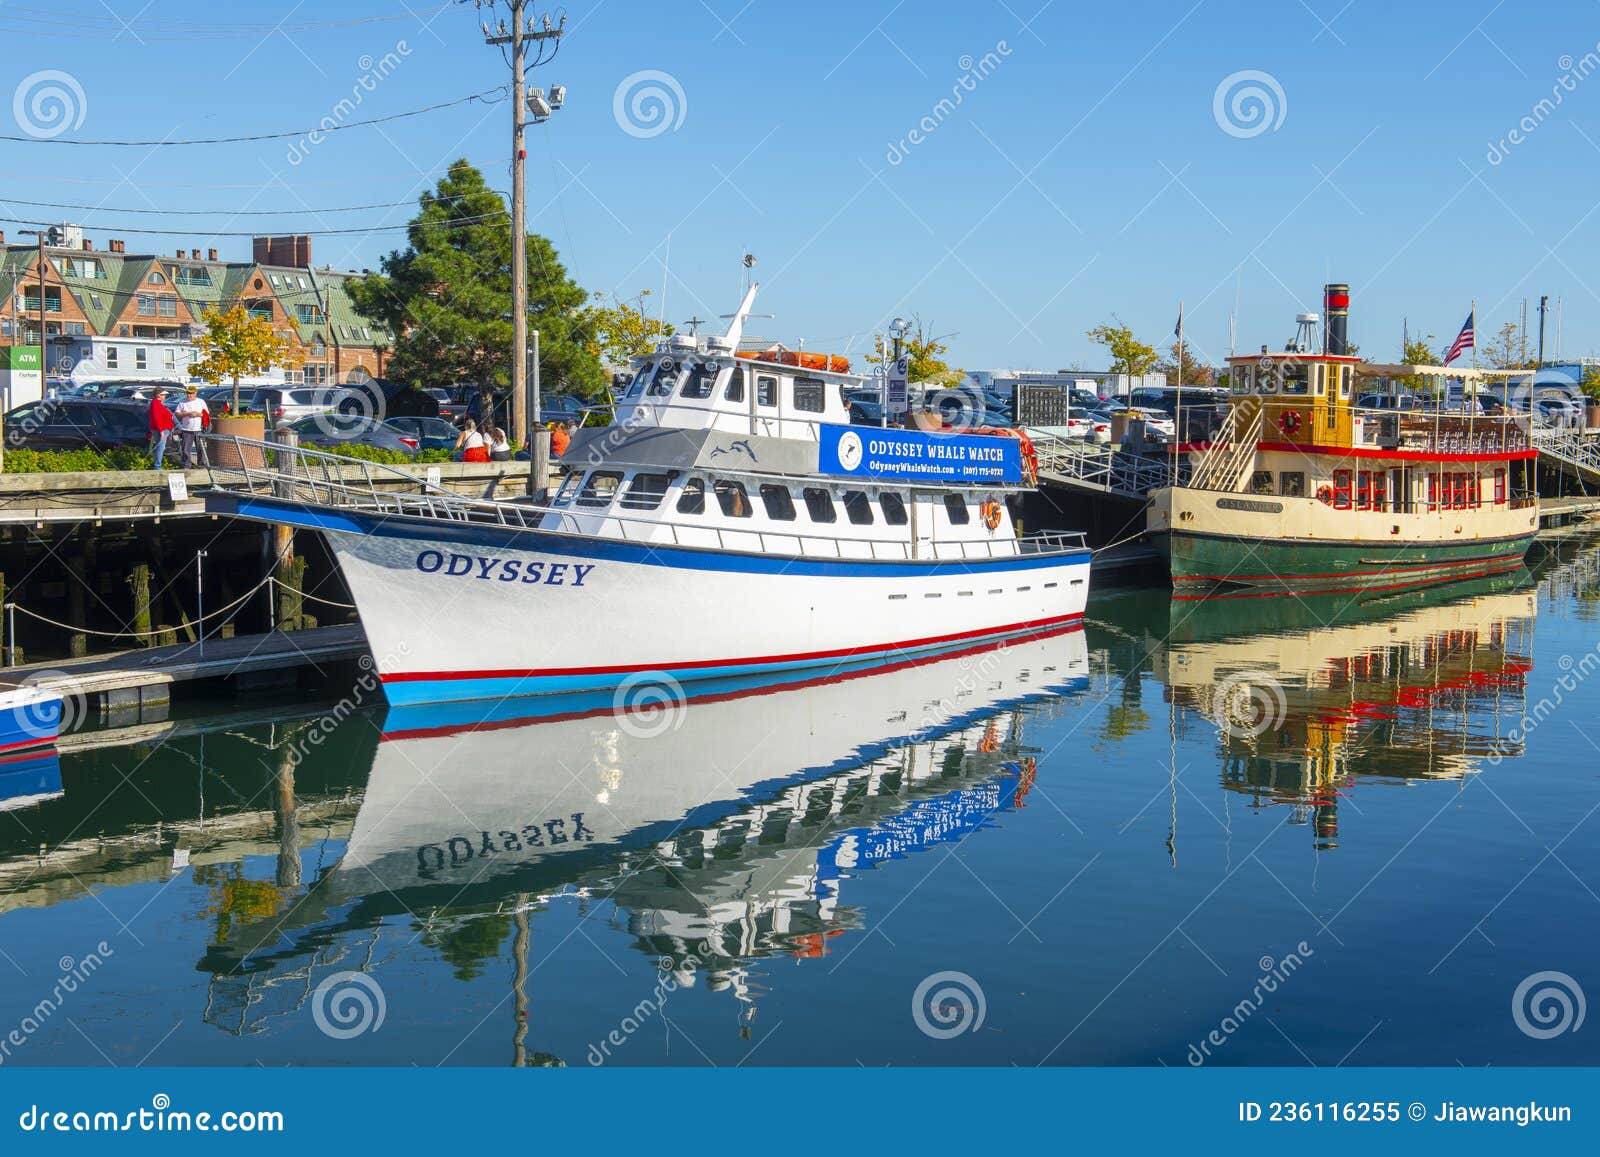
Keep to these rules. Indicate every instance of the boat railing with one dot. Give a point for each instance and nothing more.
(1436, 432)
(1052, 541)
(298, 474)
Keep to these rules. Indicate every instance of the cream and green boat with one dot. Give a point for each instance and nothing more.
(1301, 491)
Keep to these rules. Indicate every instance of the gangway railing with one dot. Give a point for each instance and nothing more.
(1569, 447)
(1098, 467)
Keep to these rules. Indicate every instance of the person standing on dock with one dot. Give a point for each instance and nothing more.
(560, 439)
(193, 415)
(161, 427)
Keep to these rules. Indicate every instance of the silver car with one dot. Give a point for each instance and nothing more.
(289, 403)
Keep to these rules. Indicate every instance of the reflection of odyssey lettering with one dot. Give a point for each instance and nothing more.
(506, 570)
(459, 850)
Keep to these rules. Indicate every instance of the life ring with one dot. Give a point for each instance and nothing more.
(990, 512)
(1325, 495)
(1290, 422)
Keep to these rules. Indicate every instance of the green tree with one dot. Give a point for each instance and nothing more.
(617, 331)
(1129, 355)
(925, 356)
(1419, 352)
(1195, 371)
(234, 344)
(447, 296)
(1590, 385)
(1509, 348)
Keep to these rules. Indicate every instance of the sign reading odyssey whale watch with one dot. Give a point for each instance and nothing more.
(914, 456)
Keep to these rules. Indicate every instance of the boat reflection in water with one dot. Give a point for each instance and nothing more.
(726, 826)
(1311, 698)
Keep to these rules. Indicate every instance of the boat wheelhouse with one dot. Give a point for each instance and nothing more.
(1302, 490)
(730, 521)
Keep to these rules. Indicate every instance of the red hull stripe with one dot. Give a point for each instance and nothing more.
(740, 661)
(742, 693)
(1396, 455)
(1222, 578)
(42, 741)
(1362, 589)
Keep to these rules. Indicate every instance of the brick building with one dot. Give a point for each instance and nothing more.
(111, 314)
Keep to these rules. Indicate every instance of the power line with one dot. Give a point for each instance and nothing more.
(499, 91)
(471, 219)
(308, 211)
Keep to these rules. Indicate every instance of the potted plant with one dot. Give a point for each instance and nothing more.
(1591, 394)
(232, 345)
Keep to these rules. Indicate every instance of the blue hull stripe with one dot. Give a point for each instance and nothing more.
(411, 692)
(336, 521)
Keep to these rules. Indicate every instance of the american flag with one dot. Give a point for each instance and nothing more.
(1465, 340)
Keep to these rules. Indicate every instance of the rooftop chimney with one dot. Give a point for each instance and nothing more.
(211, 254)
(180, 255)
(194, 255)
(88, 246)
(116, 245)
(2, 236)
(293, 251)
(1336, 315)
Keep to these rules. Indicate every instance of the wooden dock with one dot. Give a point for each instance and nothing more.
(131, 678)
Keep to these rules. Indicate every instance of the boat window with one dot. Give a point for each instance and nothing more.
(666, 378)
(701, 381)
(894, 508)
(645, 492)
(735, 388)
(600, 489)
(569, 487)
(1261, 482)
(1320, 376)
(1344, 381)
(778, 502)
(692, 498)
(1267, 379)
(819, 505)
(810, 395)
(766, 390)
(956, 507)
(1297, 379)
(856, 507)
(731, 497)
(1341, 490)
(636, 387)
(1292, 484)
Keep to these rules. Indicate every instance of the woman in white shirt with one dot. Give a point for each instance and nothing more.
(471, 446)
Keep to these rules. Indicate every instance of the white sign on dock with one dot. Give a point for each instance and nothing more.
(433, 476)
(178, 487)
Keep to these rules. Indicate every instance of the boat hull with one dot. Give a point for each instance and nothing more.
(30, 717)
(1223, 566)
(468, 611)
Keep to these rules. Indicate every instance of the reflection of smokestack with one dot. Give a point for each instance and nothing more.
(1336, 312)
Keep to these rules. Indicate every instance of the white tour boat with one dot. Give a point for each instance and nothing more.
(730, 521)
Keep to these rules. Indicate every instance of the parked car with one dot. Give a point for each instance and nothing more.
(1398, 402)
(449, 406)
(220, 399)
(70, 423)
(331, 430)
(431, 433)
(283, 404)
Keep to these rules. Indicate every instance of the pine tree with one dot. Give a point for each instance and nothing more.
(447, 296)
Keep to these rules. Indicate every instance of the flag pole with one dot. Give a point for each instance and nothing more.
(1177, 431)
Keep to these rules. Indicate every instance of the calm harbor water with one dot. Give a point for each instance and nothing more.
(1232, 833)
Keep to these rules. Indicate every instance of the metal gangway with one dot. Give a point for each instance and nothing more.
(1568, 450)
(1102, 469)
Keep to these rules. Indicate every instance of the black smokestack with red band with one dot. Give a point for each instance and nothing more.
(1336, 311)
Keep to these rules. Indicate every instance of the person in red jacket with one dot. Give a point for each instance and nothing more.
(162, 424)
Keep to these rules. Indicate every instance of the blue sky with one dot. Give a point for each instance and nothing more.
(1087, 172)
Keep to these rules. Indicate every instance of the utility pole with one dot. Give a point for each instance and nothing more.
(518, 35)
(1544, 304)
